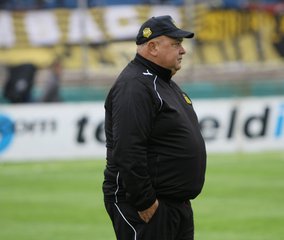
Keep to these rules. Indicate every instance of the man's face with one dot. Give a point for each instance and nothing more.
(169, 53)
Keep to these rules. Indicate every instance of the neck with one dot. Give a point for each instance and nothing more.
(164, 73)
(151, 58)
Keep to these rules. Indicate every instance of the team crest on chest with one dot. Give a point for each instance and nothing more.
(186, 98)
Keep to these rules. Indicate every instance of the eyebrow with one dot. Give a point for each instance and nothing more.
(179, 39)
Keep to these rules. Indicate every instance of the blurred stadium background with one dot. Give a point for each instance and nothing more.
(69, 52)
(238, 49)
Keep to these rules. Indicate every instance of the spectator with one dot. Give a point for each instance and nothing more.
(51, 91)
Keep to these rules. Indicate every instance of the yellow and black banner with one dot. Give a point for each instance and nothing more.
(105, 36)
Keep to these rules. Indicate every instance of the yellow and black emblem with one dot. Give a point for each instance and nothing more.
(147, 32)
(187, 99)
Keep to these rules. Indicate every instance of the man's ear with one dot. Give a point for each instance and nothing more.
(152, 48)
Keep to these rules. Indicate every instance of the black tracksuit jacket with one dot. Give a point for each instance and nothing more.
(154, 145)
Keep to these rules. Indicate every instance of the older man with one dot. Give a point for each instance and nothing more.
(156, 155)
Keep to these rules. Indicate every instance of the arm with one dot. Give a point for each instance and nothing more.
(133, 113)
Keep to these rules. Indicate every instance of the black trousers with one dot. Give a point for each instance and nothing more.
(171, 221)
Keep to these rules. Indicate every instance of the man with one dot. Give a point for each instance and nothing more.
(156, 155)
(51, 91)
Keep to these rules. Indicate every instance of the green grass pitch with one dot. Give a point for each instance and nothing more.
(243, 199)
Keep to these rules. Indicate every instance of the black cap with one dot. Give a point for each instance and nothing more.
(158, 26)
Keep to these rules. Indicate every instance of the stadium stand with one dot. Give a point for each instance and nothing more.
(234, 55)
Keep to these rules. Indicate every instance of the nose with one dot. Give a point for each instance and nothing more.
(182, 50)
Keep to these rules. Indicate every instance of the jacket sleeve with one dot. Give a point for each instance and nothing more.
(133, 112)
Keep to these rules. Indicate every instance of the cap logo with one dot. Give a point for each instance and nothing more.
(147, 32)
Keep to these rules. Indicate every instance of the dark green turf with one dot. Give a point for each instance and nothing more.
(243, 199)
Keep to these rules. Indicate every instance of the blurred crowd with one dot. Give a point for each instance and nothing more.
(49, 4)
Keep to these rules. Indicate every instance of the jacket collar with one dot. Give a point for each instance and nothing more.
(162, 72)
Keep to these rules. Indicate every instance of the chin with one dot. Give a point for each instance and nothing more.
(178, 67)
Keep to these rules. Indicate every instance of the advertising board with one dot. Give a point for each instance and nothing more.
(74, 131)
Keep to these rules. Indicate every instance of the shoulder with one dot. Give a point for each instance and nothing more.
(136, 83)
(135, 76)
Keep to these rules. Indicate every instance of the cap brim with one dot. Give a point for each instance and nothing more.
(180, 34)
